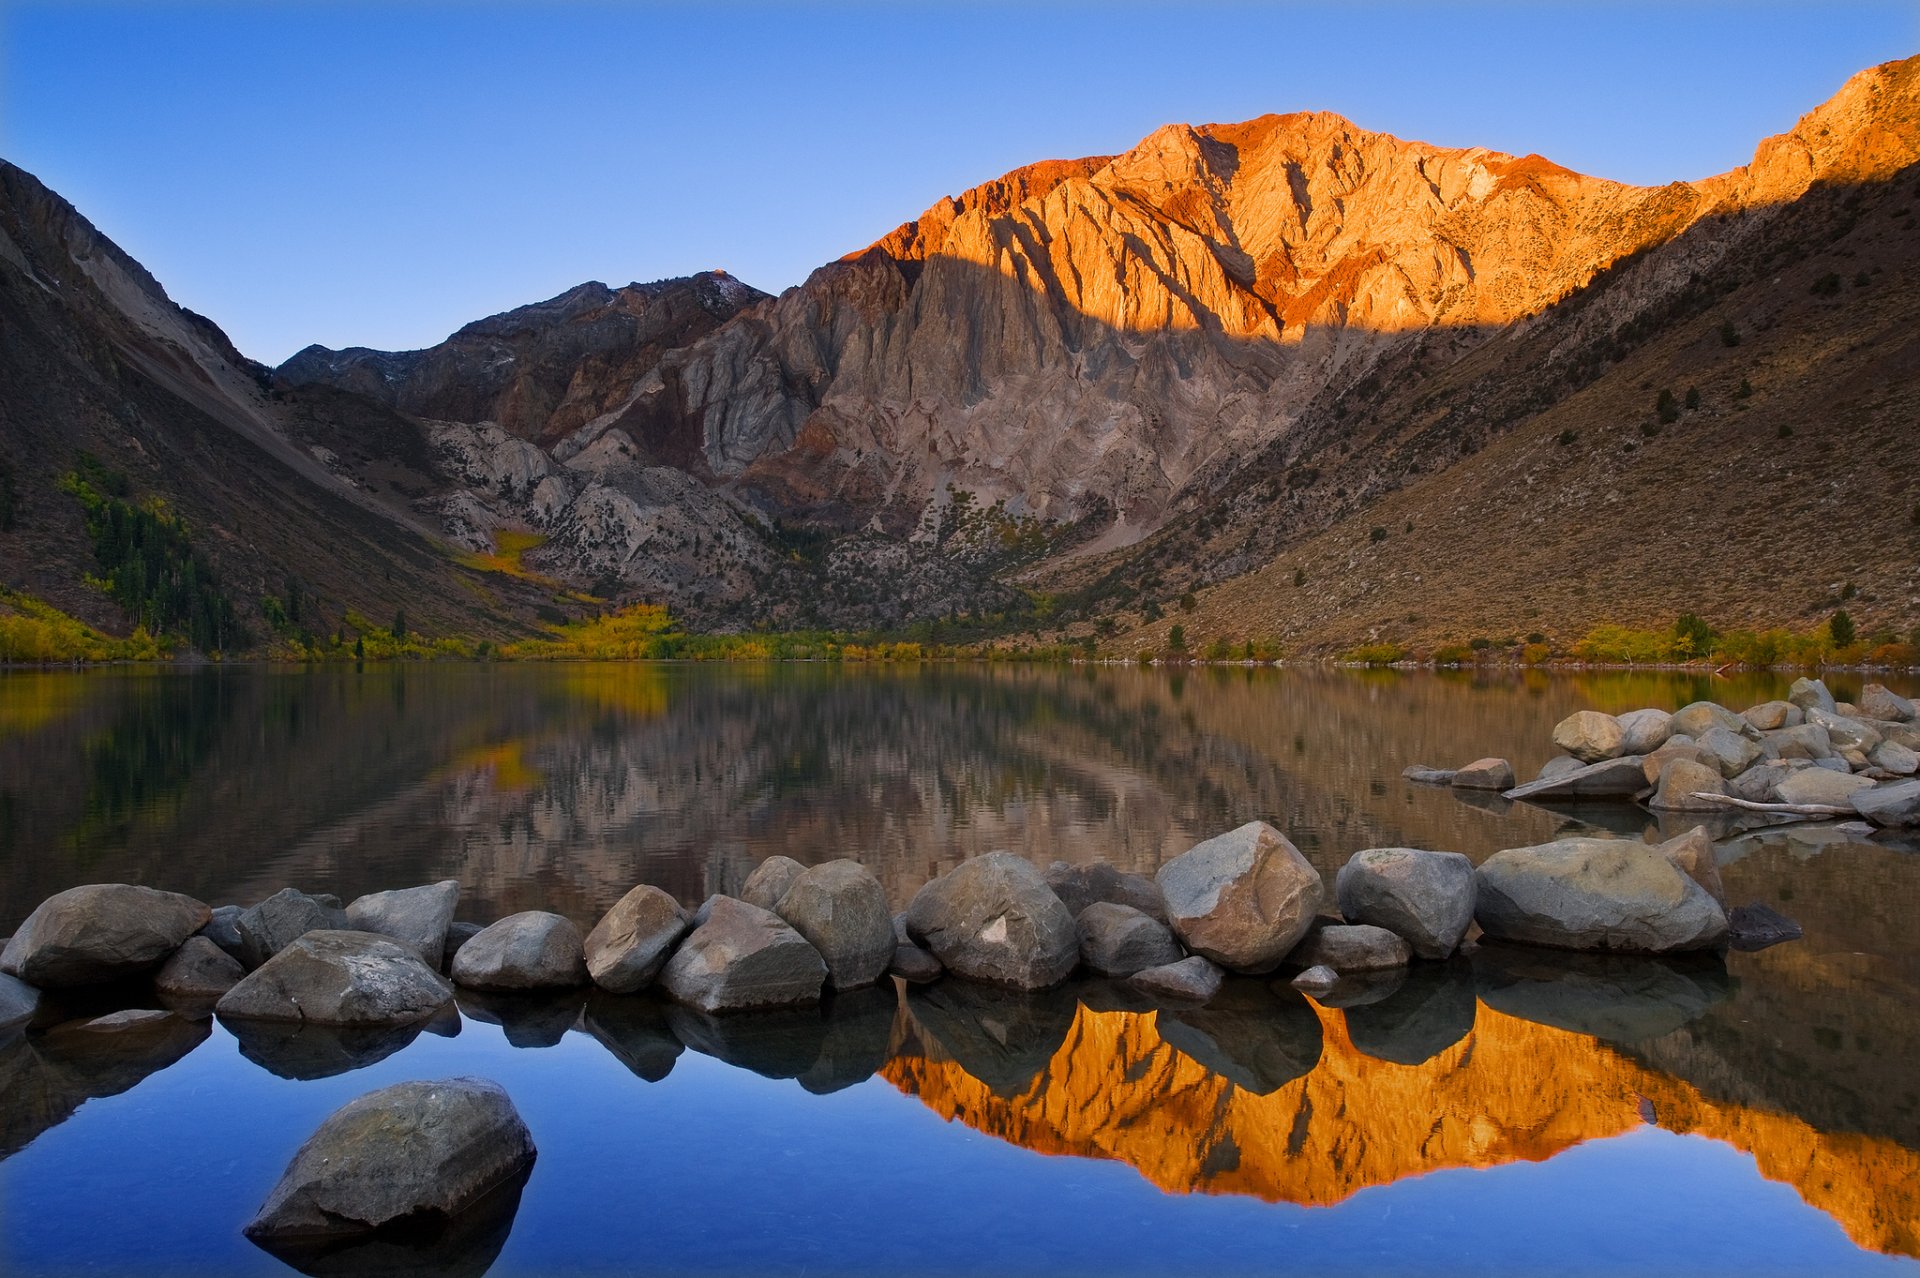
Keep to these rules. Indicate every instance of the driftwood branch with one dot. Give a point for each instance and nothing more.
(1778, 809)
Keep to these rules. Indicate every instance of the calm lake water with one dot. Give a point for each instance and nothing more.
(1757, 1113)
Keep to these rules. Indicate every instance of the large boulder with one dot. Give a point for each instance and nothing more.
(199, 969)
(1118, 940)
(1595, 894)
(1351, 947)
(420, 916)
(770, 880)
(1243, 899)
(1732, 753)
(1079, 886)
(1484, 774)
(100, 932)
(417, 1154)
(628, 947)
(1692, 853)
(1644, 731)
(1682, 782)
(1590, 736)
(1702, 717)
(1846, 732)
(1675, 749)
(1894, 758)
(340, 978)
(1610, 778)
(1803, 741)
(1877, 701)
(1820, 786)
(1811, 694)
(531, 950)
(1897, 804)
(1770, 715)
(994, 919)
(280, 920)
(1424, 897)
(842, 911)
(743, 957)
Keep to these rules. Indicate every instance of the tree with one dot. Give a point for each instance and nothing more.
(359, 648)
(1666, 407)
(1729, 335)
(1187, 602)
(399, 625)
(1177, 638)
(1840, 627)
(1693, 398)
(1692, 637)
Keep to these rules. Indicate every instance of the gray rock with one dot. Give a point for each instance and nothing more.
(1484, 774)
(1819, 785)
(1243, 899)
(1425, 775)
(1079, 886)
(1692, 854)
(1847, 732)
(1856, 760)
(1351, 947)
(993, 918)
(1897, 804)
(100, 932)
(628, 947)
(531, 950)
(770, 880)
(223, 929)
(340, 978)
(1316, 980)
(1654, 766)
(1590, 736)
(1771, 715)
(1194, 979)
(1810, 694)
(1894, 759)
(1559, 766)
(420, 916)
(1681, 781)
(912, 964)
(842, 911)
(1424, 897)
(416, 1151)
(742, 958)
(1877, 701)
(458, 934)
(1756, 927)
(1732, 752)
(1757, 783)
(900, 934)
(1805, 741)
(280, 920)
(1118, 940)
(199, 969)
(1644, 731)
(1834, 764)
(1612, 778)
(1701, 717)
(1595, 894)
(19, 1001)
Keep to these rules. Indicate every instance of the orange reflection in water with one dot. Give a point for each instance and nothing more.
(1510, 1090)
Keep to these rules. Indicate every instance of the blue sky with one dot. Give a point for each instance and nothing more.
(361, 174)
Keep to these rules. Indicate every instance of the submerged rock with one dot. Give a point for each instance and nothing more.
(98, 933)
(1424, 775)
(842, 911)
(531, 950)
(993, 918)
(742, 958)
(1243, 899)
(1756, 927)
(629, 946)
(340, 978)
(1425, 897)
(419, 916)
(1595, 894)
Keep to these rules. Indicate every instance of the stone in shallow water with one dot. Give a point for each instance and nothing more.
(628, 947)
(842, 911)
(531, 950)
(743, 958)
(1820, 786)
(911, 963)
(100, 932)
(199, 969)
(420, 916)
(1351, 947)
(1622, 777)
(1756, 927)
(1897, 804)
(1425, 897)
(1195, 979)
(340, 978)
(1243, 899)
(1595, 894)
(1424, 775)
(1484, 774)
(993, 918)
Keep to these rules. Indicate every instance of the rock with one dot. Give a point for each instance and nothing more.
(1894, 759)
(628, 947)
(1425, 775)
(1819, 785)
(1618, 998)
(1847, 732)
(1351, 947)
(769, 881)
(420, 916)
(1683, 779)
(1692, 853)
(280, 920)
(1001, 1036)
(1194, 979)
(1644, 731)
(1856, 760)
(199, 969)
(912, 964)
(1118, 940)
(1810, 694)
(1560, 765)
(900, 934)
(340, 978)
(417, 1153)
(842, 911)
(993, 918)
(1834, 764)
(1877, 701)
(1430, 1012)
(458, 934)
(1257, 1038)
(1243, 899)
(19, 1001)
(1807, 741)
(1424, 897)
(100, 932)
(1484, 774)
(1701, 717)
(1732, 753)
(1316, 979)
(741, 958)
(1079, 886)
(1897, 804)
(1770, 715)
(1612, 778)
(1654, 766)
(531, 950)
(1757, 783)
(1595, 894)
(1755, 927)
(1590, 736)
(223, 929)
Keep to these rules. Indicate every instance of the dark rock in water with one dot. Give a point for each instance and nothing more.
(1425, 897)
(1595, 894)
(1002, 1037)
(289, 1049)
(1195, 979)
(280, 920)
(1351, 947)
(1079, 886)
(636, 1031)
(1617, 778)
(531, 950)
(416, 1154)
(1242, 899)
(1431, 1011)
(1424, 775)
(1256, 1037)
(993, 918)
(1118, 940)
(1359, 989)
(19, 1001)
(98, 933)
(458, 934)
(340, 978)
(420, 916)
(773, 1043)
(1755, 927)
(769, 882)
(223, 929)
(1491, 801)
(531, 1018)
(1484, 774)
(628, 947)
(198, 970)
(467, 1246)
(859, 1026)
(743, 958)
(1890, 805)
(1623, 998)
(842, 911)
(911, 963)
(1316, 980)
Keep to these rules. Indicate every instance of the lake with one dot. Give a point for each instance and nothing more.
(1499, 1113)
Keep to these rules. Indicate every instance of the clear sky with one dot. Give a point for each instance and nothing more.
(361, 174)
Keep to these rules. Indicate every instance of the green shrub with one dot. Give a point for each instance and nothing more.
(1729, 335)
(1840, 627)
